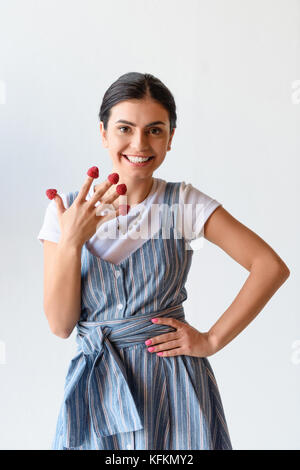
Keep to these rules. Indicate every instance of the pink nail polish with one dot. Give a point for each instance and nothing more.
(154, 319)
(148, 341)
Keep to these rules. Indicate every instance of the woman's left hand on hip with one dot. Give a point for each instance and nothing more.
(185, 340)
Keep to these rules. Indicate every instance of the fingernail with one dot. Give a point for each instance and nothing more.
(113, 178)
(51, 193)
(93, 172)
(148, 341)
(154, 319)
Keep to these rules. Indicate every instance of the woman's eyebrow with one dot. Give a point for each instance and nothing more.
(147, 125)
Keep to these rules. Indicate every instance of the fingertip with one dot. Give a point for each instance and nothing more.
(93, 172)
(121, 189)
(113, 178)
(51, 193)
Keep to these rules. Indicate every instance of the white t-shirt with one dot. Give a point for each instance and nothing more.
(140, 224)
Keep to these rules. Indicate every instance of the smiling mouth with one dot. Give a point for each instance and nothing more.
(137, 160)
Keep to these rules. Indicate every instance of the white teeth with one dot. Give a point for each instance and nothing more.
(137, 159)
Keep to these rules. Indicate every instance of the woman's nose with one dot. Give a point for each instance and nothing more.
(139, 141)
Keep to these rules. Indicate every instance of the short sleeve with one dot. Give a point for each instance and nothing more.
(50, 229)
(194, 209)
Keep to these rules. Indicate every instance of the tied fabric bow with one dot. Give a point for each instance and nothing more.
(97, 391)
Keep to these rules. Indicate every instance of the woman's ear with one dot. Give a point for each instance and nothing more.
(103, 134)
(170, 139)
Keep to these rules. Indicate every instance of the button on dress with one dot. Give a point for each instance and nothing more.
(117, 395)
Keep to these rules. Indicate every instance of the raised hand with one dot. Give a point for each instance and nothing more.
(79, 222)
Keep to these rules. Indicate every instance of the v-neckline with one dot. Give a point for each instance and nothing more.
(156, 236)
(119, 265)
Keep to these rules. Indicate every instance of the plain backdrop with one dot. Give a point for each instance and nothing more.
(233, 68)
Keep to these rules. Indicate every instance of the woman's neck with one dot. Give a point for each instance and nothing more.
(137, 191)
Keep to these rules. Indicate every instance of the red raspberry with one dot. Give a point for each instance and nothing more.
(121, 189)
(124, 209)
(93, 172)
(113, 178)
(51, 193)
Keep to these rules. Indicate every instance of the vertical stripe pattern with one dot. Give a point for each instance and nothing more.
(117, 395)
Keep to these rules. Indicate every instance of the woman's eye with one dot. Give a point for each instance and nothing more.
(153, 128)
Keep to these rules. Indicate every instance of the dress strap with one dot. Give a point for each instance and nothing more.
(71, 196)
(171, 202)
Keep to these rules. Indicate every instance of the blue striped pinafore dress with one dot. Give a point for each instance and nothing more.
(117, 395)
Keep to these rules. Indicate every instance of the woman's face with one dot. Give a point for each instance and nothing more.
(137, 137)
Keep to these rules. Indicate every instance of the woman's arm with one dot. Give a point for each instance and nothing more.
(62, 286)
(267, 273)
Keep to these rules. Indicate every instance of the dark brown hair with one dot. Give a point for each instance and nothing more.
(135, 85)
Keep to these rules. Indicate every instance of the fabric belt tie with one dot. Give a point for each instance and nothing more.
(107, 402)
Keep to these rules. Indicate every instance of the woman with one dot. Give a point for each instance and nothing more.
(123, 290)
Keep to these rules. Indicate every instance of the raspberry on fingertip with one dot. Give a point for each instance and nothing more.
(93, 172)
(121, 189)
(113, 178)
(51, 193)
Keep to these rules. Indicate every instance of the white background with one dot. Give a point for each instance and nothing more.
(231, 66)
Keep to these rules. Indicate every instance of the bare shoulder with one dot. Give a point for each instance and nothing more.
(237, 240)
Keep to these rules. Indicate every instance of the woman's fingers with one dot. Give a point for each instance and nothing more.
(59, 204)
(118, 193)
(92, 173)
(52, 194)
(100, 193)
